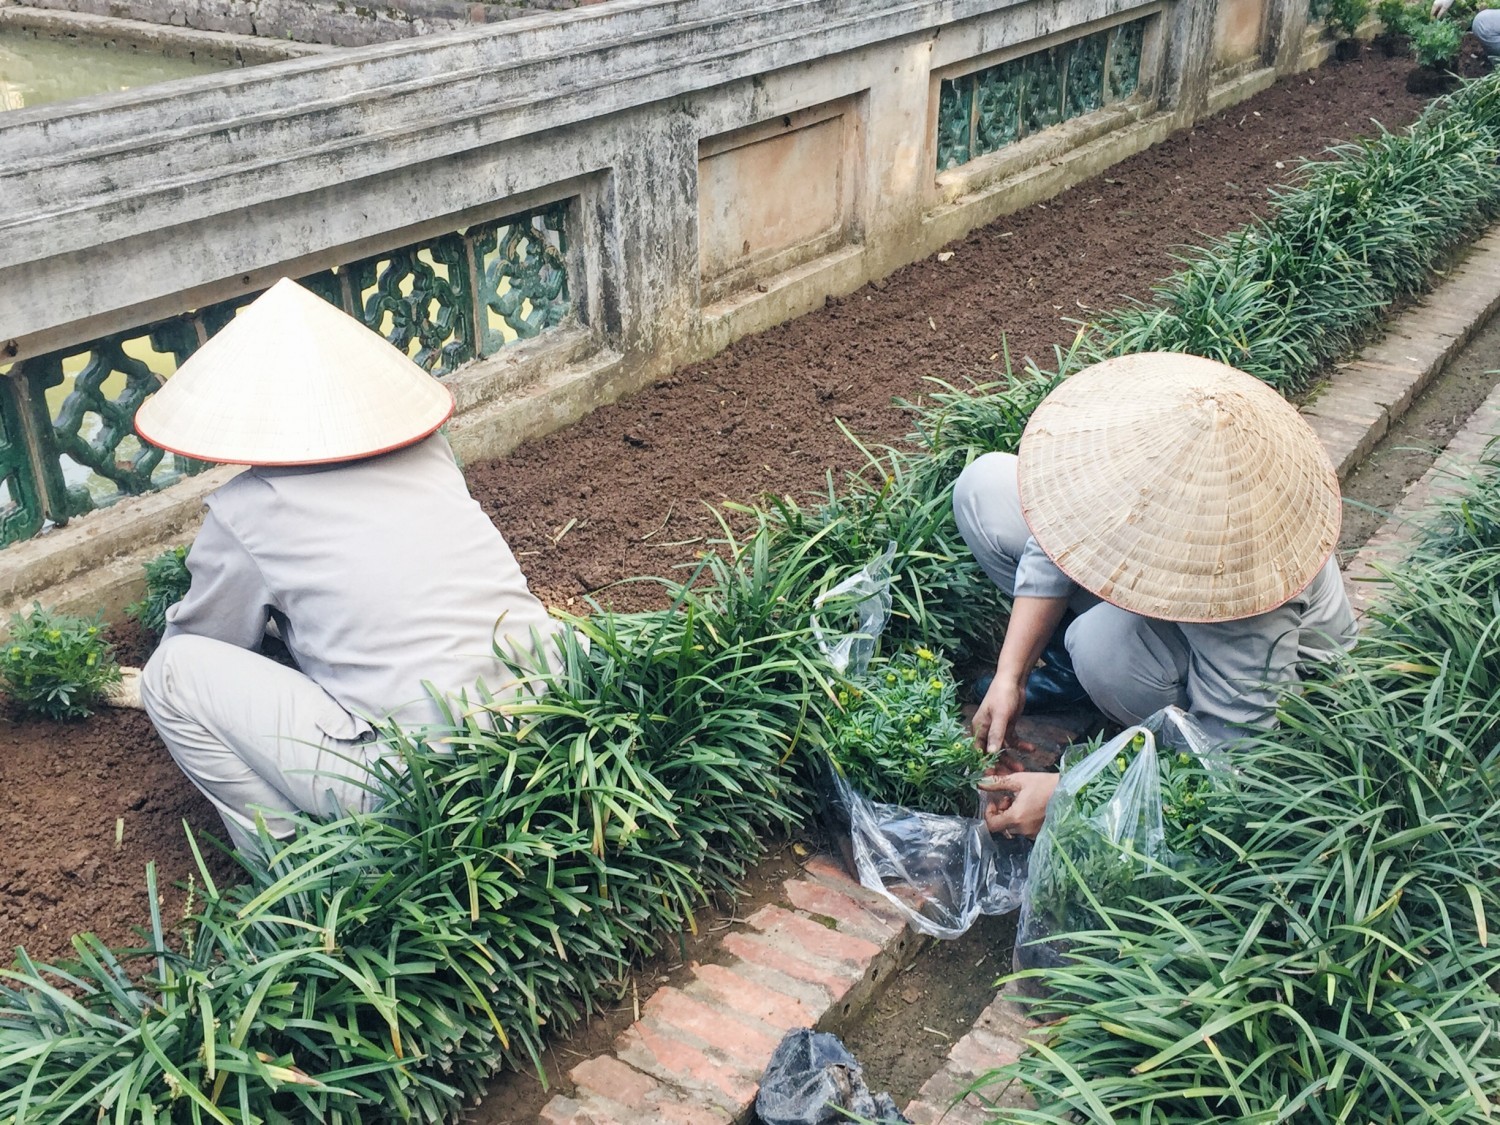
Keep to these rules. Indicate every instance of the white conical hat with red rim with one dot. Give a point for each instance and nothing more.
(1178, 488)
(292, 380)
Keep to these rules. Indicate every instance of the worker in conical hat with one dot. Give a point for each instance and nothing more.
(353, 534)
(1166, 531)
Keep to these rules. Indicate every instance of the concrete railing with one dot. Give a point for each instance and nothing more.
(721, 168)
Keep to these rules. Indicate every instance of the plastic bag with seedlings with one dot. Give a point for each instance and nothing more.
(1123, 815)
(812, 1079)
(940, 871)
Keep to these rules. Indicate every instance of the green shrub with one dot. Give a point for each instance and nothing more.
(899, 737)
(56, 665)
(1345, 16)
(167, 581)
(1399, 18)
(1436, 43)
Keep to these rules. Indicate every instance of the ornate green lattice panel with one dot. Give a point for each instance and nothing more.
(1042, 96)
(1084, 85)
(983, 112)
(955, 122)
(418, 298)
(522, 276)
(21, 509)
(90, 394)
(997, 118)
(1124, 71)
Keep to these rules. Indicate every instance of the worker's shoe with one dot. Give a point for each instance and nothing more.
(1052, 686)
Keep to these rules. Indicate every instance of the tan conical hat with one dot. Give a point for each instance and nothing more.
(292, 380)
(1178, 488)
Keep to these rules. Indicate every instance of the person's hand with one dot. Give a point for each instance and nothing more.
(1017, 801)
(997, 715)
(125, 693)
(1440, 8)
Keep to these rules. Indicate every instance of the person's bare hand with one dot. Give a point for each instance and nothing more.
(997, 715)
(1017, 802)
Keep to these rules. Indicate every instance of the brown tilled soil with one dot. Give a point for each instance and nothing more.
(87, 806)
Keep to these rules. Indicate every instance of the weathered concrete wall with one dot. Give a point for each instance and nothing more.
(725, 167)
(181, 42)
(341, 23)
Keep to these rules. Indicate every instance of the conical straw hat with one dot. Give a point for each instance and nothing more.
(292, 380)
(1178, 488)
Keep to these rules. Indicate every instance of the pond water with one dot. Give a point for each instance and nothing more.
(34, 70)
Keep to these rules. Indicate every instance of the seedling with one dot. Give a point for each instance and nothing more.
(56, 665)
(899, 738)
(167, 580)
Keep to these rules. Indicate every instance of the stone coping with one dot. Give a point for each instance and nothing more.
(179, 42)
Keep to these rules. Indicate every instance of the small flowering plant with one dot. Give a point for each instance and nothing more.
(56, 665)
(899, 739)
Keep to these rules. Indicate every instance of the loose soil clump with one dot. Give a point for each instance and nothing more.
(638, 477)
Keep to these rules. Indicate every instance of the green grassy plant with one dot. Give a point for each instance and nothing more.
(56, 665)
(167, 581)
(1281, 297)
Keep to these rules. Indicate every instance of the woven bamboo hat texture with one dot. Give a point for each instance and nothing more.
(1178, 488)
(292, 380)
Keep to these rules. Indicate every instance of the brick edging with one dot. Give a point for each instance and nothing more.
(698, 1051)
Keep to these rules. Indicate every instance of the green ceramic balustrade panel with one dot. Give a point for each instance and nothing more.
(90, 395)
(21, 509)
(997, 121)
(955, 122)
(1125, 46)
(67, 443)
(523, 277)
(983, 112)
(1084, 88)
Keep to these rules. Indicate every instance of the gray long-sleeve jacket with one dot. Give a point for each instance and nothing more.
(1235, 668)
(381, 574)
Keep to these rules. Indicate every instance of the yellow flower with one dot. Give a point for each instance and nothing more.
(924, 654)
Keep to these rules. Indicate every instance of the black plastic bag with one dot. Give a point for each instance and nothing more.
(811, 1077)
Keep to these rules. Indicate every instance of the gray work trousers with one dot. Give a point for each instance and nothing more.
(1486, 28)
(252, 735)
(1131, 666)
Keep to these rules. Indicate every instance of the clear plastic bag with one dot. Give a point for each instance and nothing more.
(941, 872)
(1105, 837)
(867, 598)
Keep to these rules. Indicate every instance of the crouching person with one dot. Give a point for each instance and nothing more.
(353, 534)
(1167, 535)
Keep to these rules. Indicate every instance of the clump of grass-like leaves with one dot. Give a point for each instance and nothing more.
(1337, 964)
(167, 581)
(1282, 296)
(57, 665)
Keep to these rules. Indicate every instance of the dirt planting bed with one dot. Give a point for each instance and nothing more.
(87, 805)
